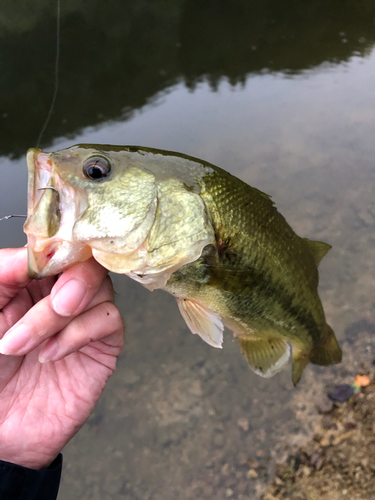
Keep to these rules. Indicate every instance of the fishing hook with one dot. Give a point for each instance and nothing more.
(48, 187)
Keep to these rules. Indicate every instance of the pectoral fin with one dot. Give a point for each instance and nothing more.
(265, 356)
(202, 321)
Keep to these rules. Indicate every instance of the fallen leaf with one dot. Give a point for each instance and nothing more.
(362, 381)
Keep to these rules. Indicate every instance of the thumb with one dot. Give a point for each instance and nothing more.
(13, 273)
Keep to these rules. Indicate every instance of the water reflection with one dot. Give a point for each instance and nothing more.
(240, 38)
(115, 60)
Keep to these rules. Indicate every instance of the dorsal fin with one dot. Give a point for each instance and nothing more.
(266, 196)
(318, 249)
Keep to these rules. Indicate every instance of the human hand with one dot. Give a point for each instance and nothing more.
(78, 328)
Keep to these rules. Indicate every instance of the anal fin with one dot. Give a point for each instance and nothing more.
(265, 356)
(202, 321)
(300, 360)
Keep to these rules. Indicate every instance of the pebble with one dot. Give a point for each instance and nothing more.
(244, 424)
(327, 439)
(341, 393)
(254, 464)
(219, 440)
(252, 474)
(327, 422)
(225, 470)
(242, 458)
(131, 378)
(315, 459)
(196, 388)
(306, 471)
(324, 405)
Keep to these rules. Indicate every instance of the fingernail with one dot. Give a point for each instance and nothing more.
(49, 351)
(15, 339)
(67, 300)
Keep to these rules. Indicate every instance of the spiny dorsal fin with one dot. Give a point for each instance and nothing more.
(266, 196)
(202, 321)
(318, 249)
(265, 356)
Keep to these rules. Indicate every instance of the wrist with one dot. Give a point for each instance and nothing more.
(30, 461)
(34, 465)
(28, 449)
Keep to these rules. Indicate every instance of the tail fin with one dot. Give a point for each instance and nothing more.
(328, 352)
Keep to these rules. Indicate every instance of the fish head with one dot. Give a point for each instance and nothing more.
(85, 201)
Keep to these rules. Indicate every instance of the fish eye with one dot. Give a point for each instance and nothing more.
(97, 168)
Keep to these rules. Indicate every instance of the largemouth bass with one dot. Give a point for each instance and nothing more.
(178, 223)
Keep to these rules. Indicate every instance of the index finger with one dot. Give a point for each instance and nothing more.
(13, 273)
(76, 287)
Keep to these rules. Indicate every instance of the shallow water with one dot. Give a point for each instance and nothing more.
(282, 98)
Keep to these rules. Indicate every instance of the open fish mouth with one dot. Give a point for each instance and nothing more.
(39, 165)
(51, 212)
(43, 208)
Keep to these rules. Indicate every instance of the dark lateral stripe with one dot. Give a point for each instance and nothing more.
(262, 293)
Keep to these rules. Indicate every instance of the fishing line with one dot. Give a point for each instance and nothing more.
(25, 216)
(50, 111)
(56, 85)
(10, 216)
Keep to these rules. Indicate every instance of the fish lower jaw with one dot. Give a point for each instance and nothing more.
(51, 258)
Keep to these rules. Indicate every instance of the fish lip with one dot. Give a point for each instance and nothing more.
(39, 166)
(42, 264)
(38, 262)
(51, 256)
